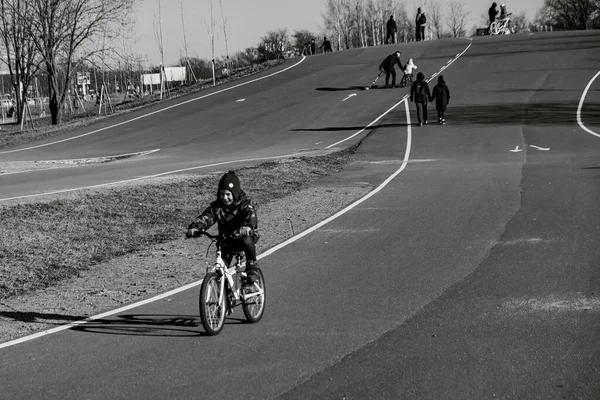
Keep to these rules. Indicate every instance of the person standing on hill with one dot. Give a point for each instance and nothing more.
(388, 66)
(326, 46)
(420, 22)
(391, 30)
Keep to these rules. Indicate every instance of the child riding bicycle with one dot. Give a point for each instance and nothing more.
(232, 211)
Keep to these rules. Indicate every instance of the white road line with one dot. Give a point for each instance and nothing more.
(539, 148)
(398, 103)
(581, 105)
(237, 101)
(265, 254)
(74, 160)
(155, 112)
(516, 150)
(153, 176)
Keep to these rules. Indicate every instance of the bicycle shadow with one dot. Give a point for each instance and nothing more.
(158, 325)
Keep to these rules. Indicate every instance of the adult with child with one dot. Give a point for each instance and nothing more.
(233, 212)
(421, 95)
(492, 13)
(388, 66)
(420, 22)
(441, 96)
(391, 29)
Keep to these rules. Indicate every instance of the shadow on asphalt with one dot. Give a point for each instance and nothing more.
(30, 317)
(150, 325)
(541, 114)
(334, 89)
(348, 128)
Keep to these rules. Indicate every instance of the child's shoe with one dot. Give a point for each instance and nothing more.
(251, 275)
(443, 121)
(425, 123)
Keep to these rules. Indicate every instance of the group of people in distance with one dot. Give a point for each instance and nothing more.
(392, 28)
(310, 48)
(419, 89)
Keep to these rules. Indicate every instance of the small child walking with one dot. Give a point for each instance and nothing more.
(441, 95)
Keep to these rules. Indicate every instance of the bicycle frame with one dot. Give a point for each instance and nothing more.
(230, 273)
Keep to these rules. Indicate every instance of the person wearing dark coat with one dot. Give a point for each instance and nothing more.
(441, 96)
(326, 46)
(492, 13)
(388, 65)
(420, 94)
(313, 46)
(420, 22)
(391, 30)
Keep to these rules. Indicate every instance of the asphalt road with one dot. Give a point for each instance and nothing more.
(472, 274)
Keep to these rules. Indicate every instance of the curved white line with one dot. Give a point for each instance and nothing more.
(155, 112)
(581, 105)
(265, 254)
(403, 98)
(152, 176)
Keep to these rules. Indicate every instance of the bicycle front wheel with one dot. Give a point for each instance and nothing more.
(253, 303)
(212, 304)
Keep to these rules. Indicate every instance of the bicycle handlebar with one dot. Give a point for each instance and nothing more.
(235, 235)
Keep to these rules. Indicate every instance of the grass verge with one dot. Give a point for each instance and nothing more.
(46, 242)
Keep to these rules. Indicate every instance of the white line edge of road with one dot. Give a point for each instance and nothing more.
(403, 98)
(581, 101)
(177, 171)
(265, 254)
(157, 111)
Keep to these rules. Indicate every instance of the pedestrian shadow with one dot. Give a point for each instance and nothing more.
(37, 317)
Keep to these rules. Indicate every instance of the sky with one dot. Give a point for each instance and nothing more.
(248, 20)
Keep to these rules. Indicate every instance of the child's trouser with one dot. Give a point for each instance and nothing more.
(440, 113)
(247, 244)
(421, 112)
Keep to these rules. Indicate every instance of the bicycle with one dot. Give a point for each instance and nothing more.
(501, 27)
(223, 289)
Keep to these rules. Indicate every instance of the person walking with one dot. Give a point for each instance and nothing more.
(391, 30)
(388, 66)
(420, 94)
(420, 22)
(441, 96)
(326, 46)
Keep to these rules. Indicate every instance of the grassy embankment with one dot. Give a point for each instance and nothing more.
(43, 243)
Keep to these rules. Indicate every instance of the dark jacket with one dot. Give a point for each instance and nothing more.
(391, 25)
(415, 92)
(492, 12)
(441, 95)
(390, 61)
(229, 219)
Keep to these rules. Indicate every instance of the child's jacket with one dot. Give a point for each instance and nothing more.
(441, 95)
(408, 69)
(229, 219)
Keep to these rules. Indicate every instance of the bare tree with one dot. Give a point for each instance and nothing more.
(21, 58)
(434, 19)
(210, 29)
(158, 35)
(457, 18)
(274, 44)
(224, 28)
(63, 29)
(572, 14)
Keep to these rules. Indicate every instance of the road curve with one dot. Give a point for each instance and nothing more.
(471, 274)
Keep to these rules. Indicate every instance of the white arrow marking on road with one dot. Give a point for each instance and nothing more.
(516, 150)
(353, 94)
(237, 101)
(539, 148)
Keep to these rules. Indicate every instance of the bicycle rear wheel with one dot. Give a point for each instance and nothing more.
(254, 300)
(212, 304)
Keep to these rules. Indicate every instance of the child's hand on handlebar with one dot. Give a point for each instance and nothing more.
(245, 231)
